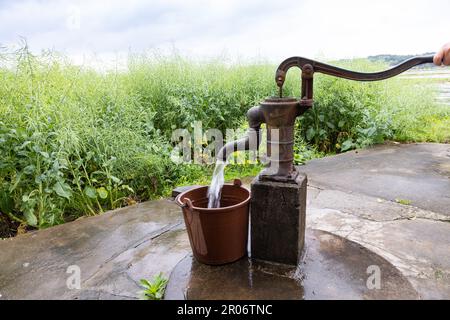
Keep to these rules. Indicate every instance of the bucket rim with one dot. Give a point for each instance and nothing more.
(240, 204)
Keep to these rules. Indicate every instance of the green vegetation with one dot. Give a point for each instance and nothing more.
(74, 141)
(405, 202)
(155, 289)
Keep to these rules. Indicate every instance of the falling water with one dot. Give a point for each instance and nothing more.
(215, 188)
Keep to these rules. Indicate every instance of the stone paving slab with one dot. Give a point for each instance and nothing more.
(413, 241)
(354, 195)
(113, 251)
(351, 195)
(419, 173)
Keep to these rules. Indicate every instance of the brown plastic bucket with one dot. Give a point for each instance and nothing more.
(217, 235)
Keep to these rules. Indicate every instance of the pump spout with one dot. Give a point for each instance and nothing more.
(250, 141)
(243, 144)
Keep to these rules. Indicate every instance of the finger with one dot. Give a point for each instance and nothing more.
(447, 56)
(437, 59)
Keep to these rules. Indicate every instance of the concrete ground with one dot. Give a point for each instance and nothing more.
(353, 195)
(393, 200)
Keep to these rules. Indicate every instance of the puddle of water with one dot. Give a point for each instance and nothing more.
(332, 268)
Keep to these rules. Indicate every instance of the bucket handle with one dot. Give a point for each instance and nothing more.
(237, 182)
(188, 203)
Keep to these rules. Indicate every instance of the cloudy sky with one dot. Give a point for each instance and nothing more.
(271, 30)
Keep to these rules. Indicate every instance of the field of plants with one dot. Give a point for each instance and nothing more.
(76, 142)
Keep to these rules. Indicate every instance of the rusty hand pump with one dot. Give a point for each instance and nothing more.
(279, 113)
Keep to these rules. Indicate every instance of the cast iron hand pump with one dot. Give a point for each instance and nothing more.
(280, 113)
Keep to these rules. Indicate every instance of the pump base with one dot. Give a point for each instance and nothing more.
(271, 175)
(278, 211)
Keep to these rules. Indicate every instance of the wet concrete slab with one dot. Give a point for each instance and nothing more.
(332, 267)
(113, 252)
(351, 196)
(418, 173)
(418, 248)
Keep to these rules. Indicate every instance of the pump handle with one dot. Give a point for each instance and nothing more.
(301, 62)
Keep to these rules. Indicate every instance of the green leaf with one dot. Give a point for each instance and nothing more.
(403, 201)
(62, 189)
(90, 192)
(30, 217)
(16, 182)
(310, 133)
(44, 154)
(29, 169)
(115, 179)
(24, 144)
(102, 192)
(154, 290)
(145, 283)
(127, 187)
(330, 125)
(346, 145)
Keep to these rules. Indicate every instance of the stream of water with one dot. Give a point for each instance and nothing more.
(215, 189)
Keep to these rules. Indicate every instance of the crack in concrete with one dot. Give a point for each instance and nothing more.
(421, 218)
(154, 235)
(122, 296)
(316, 187)
(415, 209)
(163, 230)
(399, 218)
(414, 212)
(317, 193)
(101, 290)
(132, 280)
(408, 267)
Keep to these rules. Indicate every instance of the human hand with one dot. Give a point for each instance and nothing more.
(443, 56)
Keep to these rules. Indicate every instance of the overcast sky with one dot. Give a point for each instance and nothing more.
(271, 30)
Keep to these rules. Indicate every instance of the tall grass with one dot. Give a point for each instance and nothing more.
(76, 142)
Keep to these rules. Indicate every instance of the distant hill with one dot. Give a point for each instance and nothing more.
(393, 59)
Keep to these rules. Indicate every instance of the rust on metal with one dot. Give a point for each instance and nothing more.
(278, 114)
(347, 74)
